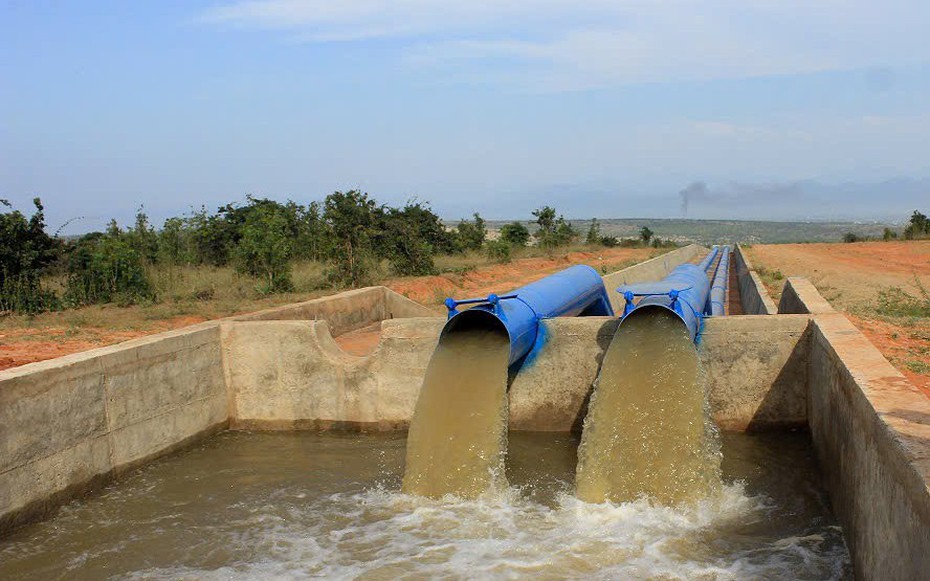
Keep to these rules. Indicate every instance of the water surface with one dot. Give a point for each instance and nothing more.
(298, 505)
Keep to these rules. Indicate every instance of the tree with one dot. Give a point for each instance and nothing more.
(471, 235)
(26, 251)
(850, 237)
(498, 251)
(645, 233)
(594, 233)
(265, 248)
(410, 237)
(351, 219)
(107, 267)
(918, 227)
(889, 234)
(553, 232)
(515, 234)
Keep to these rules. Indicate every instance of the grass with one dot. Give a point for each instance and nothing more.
(772, 279)
(205, 292)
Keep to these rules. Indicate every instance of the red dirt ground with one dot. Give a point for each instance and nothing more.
(22, 346)
(850, 276)
(27, 345)
(432, 290)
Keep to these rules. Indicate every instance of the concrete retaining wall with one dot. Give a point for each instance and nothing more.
(753, 296)
(800, 296)
(69, 423)
(653, 269)
(291, 374)
(346, 311)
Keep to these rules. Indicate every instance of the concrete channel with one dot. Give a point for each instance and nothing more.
(69, 425)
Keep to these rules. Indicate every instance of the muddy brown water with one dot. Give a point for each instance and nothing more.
(458, 435)
(648, 430)
(297, 505)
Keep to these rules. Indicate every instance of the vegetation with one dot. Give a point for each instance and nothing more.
(515, 234)
(346, 240)
(918, 227)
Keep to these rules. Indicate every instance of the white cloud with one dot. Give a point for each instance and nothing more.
(565, 44)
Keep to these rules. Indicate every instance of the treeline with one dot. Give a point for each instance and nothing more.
(917, 228)
(348, 231)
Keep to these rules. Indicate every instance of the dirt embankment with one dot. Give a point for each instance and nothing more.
(28, 342)
(851, 277)
(432, 290)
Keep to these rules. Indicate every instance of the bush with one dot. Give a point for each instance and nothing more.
(471, 235)
(515, 234)
(104, 268)
(553, 232)
(498, 251)
(265, 248)
(610, 241)
(26, 252)
(896, 302)
(851, 237)
(351, 219)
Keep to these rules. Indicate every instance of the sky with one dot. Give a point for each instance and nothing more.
(776, 109)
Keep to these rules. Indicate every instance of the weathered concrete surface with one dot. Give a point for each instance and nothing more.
(753, 296)
(653, 269)
(291, 374)
(346, 311)
(756, 371)
(800, 296)
(871, 432)
(71, 422)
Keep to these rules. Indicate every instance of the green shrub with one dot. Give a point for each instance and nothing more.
(104, 268)
(26, 252)
(515, 234)
(264, 249)
(498, 251)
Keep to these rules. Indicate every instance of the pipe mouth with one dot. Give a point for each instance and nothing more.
(657, 310)
(474, 319)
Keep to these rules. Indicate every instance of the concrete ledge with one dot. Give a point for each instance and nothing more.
(346, 311)
(753, 296)
(653, 269)
(289, 374)
(68, 424)
(800, 296)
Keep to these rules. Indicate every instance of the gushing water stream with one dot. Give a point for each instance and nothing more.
(647, 432)
(458, 437)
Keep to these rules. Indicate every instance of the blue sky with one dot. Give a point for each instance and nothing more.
(783, 109)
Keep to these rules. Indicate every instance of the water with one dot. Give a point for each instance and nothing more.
(458, 436)
(299, 505)
(647, 432)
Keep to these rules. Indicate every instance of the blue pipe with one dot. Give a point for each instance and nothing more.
(718, 290)
(709, 259)
(575, 291)
(684, 292)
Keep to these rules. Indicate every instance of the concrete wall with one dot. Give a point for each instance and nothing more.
(871, 432)
(800, 296)
(753, 296)
(650, 270)
(346, 311)
(291, 374)
(71, 422)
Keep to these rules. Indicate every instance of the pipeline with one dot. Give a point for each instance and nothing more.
(709, 259)
(575, 291)
(718, 290)
(684, 292)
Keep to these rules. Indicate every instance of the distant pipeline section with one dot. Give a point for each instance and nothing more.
(686, 292)
(575, 291)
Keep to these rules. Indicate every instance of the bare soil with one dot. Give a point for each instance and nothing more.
(850, 277)
(29, 339)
